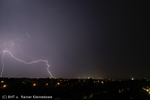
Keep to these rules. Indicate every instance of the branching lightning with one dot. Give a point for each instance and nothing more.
(7, 49)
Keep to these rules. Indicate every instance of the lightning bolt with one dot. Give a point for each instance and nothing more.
(7, 50)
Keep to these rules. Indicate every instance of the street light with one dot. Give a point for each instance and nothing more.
(34, 84)
(58, 83)
(4, 86)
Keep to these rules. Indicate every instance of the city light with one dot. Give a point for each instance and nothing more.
(46, 84)
(4, 86)
(34, 84)
(58, 83)
(102, 82)
(2, 81)
(146, 89)
(132, 78)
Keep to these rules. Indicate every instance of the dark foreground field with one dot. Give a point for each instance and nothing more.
(74, 89)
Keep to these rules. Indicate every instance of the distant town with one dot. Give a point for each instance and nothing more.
(75, 89)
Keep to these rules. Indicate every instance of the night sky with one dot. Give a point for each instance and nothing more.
(79, 38)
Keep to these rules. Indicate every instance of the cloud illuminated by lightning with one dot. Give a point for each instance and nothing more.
(6, 48)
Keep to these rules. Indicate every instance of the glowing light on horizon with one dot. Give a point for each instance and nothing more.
(7, 49)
